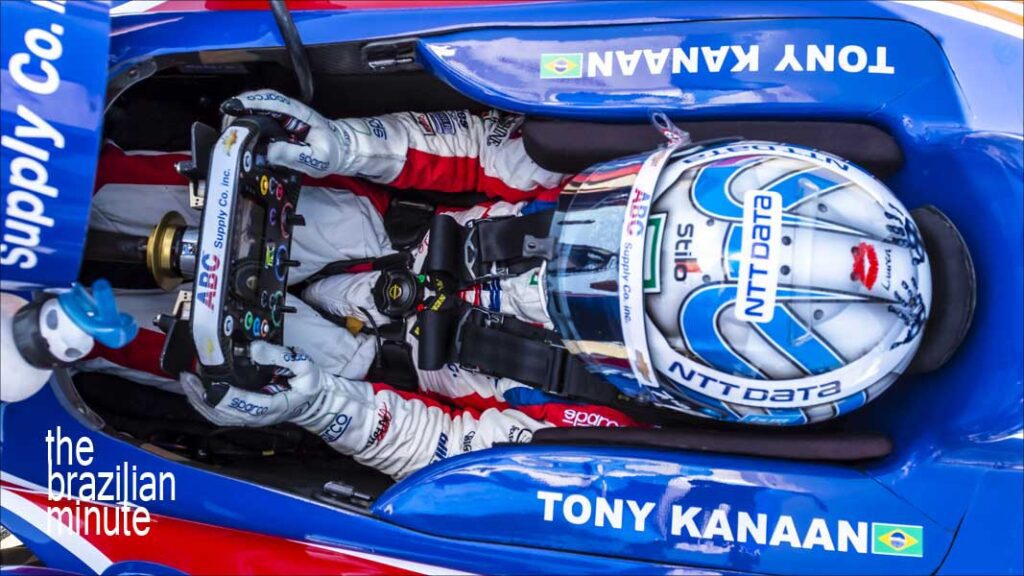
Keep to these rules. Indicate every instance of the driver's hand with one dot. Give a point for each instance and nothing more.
(240, 407)
(320, 147)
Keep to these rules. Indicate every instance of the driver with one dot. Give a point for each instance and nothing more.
(395, 431)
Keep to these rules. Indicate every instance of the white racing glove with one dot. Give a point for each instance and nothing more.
(325, 146)
(307, 387)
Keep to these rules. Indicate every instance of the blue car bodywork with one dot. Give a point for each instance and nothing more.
(947, 89)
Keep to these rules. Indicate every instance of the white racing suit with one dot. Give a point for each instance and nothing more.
(397, 432)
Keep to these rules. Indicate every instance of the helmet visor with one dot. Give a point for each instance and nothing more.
(582, 281)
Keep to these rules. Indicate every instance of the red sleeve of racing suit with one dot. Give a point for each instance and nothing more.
(140, 358)
(153, 168)
(401, 432)
(449, 152)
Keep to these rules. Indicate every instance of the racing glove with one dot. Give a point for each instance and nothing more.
(238, 407)
(397, 433)
(319, 147)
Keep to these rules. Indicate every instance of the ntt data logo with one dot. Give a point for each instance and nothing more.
(561, 65)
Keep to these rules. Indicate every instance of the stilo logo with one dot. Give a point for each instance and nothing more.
(561, 65)
(865, 265)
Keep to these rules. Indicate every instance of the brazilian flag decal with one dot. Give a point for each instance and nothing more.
(561, 65)
(897, 540)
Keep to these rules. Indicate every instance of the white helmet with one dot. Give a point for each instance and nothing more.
(747, 281)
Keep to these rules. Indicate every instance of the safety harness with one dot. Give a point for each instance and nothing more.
(487, 249)
(449, 329)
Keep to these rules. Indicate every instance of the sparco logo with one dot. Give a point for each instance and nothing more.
(336, 428)
(584, 418)
(267, 97)
(247, 407)
(312, 162)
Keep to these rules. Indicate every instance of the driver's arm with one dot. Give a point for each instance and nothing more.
(395, 432)
(455, 151)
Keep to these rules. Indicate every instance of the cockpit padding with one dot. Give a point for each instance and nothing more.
(826, 446)
(954, 290)
(572, 146)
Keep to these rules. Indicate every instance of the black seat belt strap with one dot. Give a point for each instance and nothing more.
(488, 248)
(501, 239)
(502, 345)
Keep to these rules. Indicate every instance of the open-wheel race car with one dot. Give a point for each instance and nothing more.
(923, 99)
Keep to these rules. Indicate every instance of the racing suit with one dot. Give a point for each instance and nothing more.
(397, 432)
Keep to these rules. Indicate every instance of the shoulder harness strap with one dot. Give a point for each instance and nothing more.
(489, 248)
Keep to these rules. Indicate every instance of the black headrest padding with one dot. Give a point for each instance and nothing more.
(954, 290)
(570, 146)
(788, 444)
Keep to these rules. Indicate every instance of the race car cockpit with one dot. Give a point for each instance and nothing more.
(238, 257)
(614, 286)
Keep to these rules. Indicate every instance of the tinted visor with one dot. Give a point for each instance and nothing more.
(582, 280)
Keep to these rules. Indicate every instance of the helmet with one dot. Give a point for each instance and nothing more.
(745, 281)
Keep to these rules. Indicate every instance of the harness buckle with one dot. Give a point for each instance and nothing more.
(471, 253)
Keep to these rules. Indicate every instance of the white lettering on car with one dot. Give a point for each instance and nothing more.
(728, 58)
(723, 523)
(34, 139)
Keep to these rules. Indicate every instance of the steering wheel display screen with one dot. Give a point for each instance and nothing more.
(250, 218)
